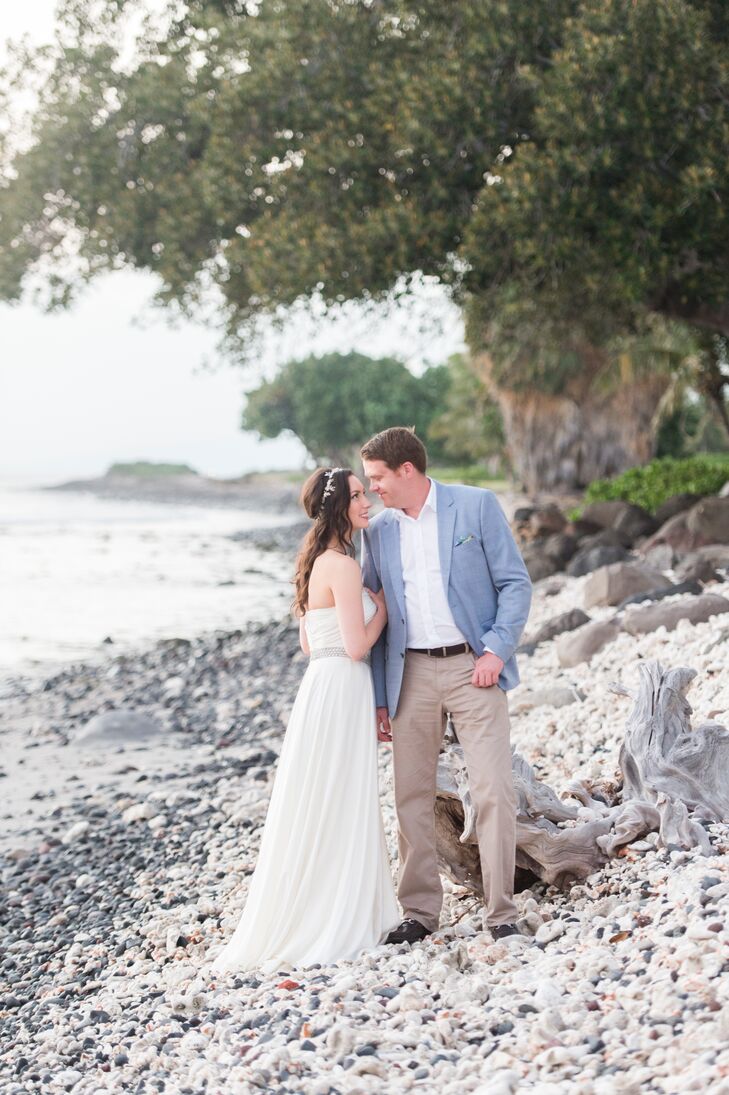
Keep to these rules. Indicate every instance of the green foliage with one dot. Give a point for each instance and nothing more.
(692, 426)
(652, 484)
(336, 402)
(617, 199)
(469, 427)
(561, 165)
(146, 469)
(318, 148)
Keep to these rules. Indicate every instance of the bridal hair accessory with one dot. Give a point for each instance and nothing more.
(329, 487)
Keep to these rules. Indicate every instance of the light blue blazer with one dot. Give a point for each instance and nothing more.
(484, 576)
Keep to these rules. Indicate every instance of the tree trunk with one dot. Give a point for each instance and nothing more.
(563, 442)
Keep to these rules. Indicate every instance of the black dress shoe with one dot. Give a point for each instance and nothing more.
(410, 931)
(504, 931)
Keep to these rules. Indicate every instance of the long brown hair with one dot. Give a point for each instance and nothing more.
(330, 515)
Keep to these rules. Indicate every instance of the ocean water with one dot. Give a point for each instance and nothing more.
(76, 570)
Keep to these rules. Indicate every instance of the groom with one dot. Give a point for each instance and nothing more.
(458, 596)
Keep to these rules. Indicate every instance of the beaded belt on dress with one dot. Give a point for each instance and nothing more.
(335, 652)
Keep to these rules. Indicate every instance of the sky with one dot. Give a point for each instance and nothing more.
(112, 380)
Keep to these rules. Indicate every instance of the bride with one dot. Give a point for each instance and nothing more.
(322, 889)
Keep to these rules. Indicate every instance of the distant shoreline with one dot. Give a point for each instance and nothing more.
(275, 492)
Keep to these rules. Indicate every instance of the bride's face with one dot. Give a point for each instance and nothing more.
(359, 506)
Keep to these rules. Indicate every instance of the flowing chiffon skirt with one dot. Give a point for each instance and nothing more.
(322, 889)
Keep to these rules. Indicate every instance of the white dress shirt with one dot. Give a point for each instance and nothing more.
(430, 621)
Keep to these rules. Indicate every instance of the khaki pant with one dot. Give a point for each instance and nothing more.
(430, 688)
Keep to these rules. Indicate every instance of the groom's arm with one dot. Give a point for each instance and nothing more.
(510, 577)
(371, 580)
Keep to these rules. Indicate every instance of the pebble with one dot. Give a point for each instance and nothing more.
(131, 890)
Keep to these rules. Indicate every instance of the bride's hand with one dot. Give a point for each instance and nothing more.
(379, 599)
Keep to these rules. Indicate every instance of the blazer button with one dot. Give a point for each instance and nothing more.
(402, 655)
(402, 621)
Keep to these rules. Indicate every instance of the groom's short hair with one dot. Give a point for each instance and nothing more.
(395, 447)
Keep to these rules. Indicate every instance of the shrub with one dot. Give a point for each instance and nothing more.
(650, 485)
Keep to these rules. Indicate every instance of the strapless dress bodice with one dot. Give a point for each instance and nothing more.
(322, 626)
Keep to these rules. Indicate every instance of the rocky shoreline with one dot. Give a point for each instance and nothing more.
(265, 492)
(124, 883)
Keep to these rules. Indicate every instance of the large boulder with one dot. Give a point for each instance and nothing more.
(117, 728)
(580, 528)
(717, 554)
(566, 621)
(606, 537)
(560, 547)
(538, 563)
(677, 503)
(708, 521)
(588, 559)
(697, 568)
(613, 583)
(673, 534)
(695, 609)
(661, 556)
(605, 514)
(535, 522)
(635, 523)
(690, 586)
(555, 695)
(575, 647)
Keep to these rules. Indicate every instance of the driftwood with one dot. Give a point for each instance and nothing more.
(669, 773)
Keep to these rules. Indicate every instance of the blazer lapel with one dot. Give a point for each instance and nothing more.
(446, 527)
(391, 556)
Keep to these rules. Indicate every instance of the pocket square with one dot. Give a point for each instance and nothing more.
(464, 539)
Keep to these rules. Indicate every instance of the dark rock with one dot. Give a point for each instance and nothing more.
(696, 609)
(588, 559)
(538, 564)
(708, 521)
(677, 503)
(606, 537)
(662, 557)
(566, 621)
(697, 568)
(660, 594)
(120, 727)
(580, 528)
(673, 533)
(575, 647)
(560, 547)
(609, 585)
(605, 514)
(543, 521)
(367, 1050)
(635, 523)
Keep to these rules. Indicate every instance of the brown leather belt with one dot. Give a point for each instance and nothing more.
(441, 651)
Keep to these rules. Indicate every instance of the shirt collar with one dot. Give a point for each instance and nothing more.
(431, 501)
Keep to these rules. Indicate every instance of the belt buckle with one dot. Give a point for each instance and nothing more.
(444, 649)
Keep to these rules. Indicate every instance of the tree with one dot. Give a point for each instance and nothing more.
(558, 164)
(335, 403)
(469, 426)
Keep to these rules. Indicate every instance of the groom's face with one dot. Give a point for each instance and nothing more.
(389, 484)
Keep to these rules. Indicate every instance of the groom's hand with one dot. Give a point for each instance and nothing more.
(384, 730)
(486, 670)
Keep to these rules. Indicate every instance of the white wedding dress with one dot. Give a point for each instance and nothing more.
(322, 889)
